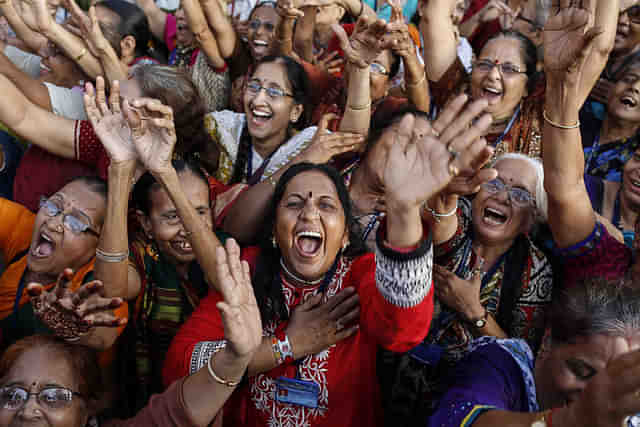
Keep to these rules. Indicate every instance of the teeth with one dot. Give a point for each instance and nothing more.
(260, 113)
(313, 234)
(495, 212)
(47, 238)
(635, 182)
(494, 91)
(627, 100)
(185, 245)
(260, 42)
(44, 67)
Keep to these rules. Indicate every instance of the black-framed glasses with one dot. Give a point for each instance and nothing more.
(506, 69)
(255, 24)
(518, 196)
(255, 87)
(633, 13)
(13, 398)
(70, 221)
(378, 69)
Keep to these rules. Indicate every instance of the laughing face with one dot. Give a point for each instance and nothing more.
(184, 36)
(503, 91)
(269, 106)
(496, 218)
(628, 32)
(310, 225)
(54, 246)
(624, 99)
(262, 29)
(631, 180)
(165, 226)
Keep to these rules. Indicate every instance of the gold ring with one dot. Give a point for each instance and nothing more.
(435, 132)
(453, 169)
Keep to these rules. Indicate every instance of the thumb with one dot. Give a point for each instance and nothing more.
(312, 302)
(324, 122)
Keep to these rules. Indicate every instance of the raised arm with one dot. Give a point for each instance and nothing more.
(156, 17)
(440, 36)
(304, 33)
(566, 48)
(32, 88)
(206, 38)
(12, 11)
(155, 139)
(221, 26)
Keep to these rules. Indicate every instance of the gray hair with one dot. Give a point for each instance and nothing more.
(539, 192)
(596, 306)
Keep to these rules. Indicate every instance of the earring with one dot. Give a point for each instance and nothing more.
(273, 242)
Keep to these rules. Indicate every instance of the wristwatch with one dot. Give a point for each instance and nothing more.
(480, 322)
(541, 421)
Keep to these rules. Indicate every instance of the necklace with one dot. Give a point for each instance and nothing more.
(296, 278)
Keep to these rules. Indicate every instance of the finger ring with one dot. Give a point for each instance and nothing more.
(435, 133)
(454, 153)
(453, 169)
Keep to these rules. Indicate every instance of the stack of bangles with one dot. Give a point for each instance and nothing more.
(111, 256)
(282, 350)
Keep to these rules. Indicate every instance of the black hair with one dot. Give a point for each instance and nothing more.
(382, 120)
(529, 54)
(395, 64)
(141, 194)
(300, 91)
(265, 280)
(95, 184)
(133, 22)
(267, 3)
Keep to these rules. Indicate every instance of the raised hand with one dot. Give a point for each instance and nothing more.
(568, 36)
(42, 14)
(153, 133)
(73, 314)
(366, 41)
(324, 145)
(288, 9)
(398, 37)
(315, 326)
(423, 160)
(239, 310)
(108, 122)
(330, 63)
(497, 9)
(89, 28)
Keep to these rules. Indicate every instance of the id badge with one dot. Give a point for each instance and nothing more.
(297, 392)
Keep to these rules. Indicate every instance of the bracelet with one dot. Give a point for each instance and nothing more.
(111, 256)
(437, 215)
(559, 125)
(276, 351)
(424, 77)
(83, 52)
(359, 107)
(217, 378)
(282, 350)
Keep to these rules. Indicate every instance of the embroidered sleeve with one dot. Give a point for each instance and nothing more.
(202, 352)
(404, 279)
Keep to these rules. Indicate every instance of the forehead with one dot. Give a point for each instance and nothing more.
(194, 187)
(272, 73)
(503, 49)
(78, 195)
(265, 14)
(314, 182)
(43, 367)
(599, 349)
(517, 172)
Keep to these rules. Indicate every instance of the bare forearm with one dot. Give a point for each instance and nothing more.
(200, 235)
(305, 27)
(35, 41)
(33, 89)
(416, 83)
(357, 114)
(222, 28)
(114, 235)
(404, 225)
(440, 42)
(75, 48)
(156, 17)
(263, 360)
(285, 36)
(443, 228)
(205, 37)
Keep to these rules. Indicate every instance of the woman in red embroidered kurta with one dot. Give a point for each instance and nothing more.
(311, 220)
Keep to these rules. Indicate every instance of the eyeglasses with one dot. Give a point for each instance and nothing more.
(14, 398)
(255, 87)
(70, 221)
(506, 69)
(519, 196)
(633, 13)
(378, 69)
(254, 24)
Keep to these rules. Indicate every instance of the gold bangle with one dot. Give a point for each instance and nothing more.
(111, 256)
(217, 378)
(83, 52)
(559, 125)
(359, 107)
(424, 77)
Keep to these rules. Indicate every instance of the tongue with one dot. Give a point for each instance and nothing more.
(309, 245)
(44, 249)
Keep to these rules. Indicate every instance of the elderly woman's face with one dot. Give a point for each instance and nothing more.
(563, 373)
(624, 99)
(35, 370)
(54, 245)
(310, 225)
(165, 226)
(628, 31)
(496, 218)
(502, 90)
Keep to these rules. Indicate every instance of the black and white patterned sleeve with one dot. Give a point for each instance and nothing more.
(202, 352)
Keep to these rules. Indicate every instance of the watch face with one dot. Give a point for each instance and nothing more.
(539, 423)
(480, 323)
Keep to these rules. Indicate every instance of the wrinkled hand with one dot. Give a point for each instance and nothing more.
(239, 309)
(330, 63)
(315, 326)
(88, 28)
(420, 163)
(153, 133)
(288, 9)
(108, 122)
(366, 41)
(495, 9)
(42, 13)
(324, 146)
(73, 314)
(467, 184)
(460, 295)
(568, 36)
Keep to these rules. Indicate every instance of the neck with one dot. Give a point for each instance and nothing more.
(628, 213)
(499, 124)
(490, 252)
(265, 147)
(614, 129)
(291, 277)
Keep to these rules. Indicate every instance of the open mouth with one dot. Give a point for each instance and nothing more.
(44, 68)
(260, 45)
(44, 246)
(182, 246)
(492, 94)
(260, 116)
(308, 243)
(629, 101)
(494, 217)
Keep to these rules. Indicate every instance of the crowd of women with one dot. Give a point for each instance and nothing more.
(320, 213)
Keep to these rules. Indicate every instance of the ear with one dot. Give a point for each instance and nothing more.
(128, 46)
(296, 112)
(145, 222)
